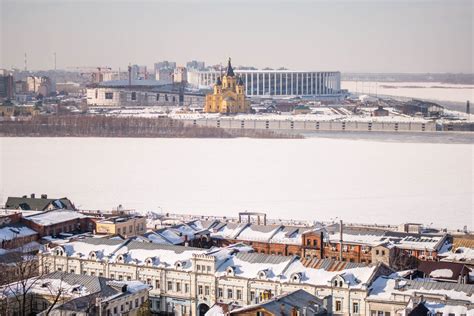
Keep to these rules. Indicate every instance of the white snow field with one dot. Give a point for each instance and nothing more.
(314, 178)
(422, 90)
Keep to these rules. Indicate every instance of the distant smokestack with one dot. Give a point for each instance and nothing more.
(468, 107)
(340, 240)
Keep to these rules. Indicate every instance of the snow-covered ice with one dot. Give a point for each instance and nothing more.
(307, 179)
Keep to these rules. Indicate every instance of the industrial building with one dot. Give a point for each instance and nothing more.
(123, 93)
(277, 83)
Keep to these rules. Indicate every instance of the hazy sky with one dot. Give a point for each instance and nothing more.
(372, 36)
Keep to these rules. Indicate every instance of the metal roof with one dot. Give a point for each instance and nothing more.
(254, 257)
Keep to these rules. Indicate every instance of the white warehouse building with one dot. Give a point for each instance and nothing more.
(277, 83)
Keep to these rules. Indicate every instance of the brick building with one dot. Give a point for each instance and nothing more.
(52, 223)
(355, 244)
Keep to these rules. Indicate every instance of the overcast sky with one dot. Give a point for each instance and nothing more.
(368, 36)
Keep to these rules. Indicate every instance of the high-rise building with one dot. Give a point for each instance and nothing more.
(165, 65)
(180, 74)
(7, 86)
(164, 75)
(195, 65)
(139, 72)
(39, 85)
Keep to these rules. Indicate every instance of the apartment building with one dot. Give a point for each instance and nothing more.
(188, 281)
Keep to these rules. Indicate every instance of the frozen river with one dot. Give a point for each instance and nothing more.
(315, 178)
(422, 90)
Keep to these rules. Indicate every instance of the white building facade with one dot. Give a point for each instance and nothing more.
(188, 281)
(277, 83)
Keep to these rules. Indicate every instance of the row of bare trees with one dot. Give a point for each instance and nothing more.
(109, 126)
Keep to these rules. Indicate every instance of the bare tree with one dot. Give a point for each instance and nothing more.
(22, 275)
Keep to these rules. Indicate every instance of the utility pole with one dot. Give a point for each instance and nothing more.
(340, 239)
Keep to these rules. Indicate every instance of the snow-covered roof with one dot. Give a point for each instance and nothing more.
(15, 231)
(462, 254)
(55, 217)
(448, 309)
(384, 288)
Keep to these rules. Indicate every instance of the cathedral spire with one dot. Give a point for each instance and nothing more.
(230, 71)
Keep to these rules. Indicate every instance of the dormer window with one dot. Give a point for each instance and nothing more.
(179, 265)
(230, 271)
(295, 278)
(121, 258)
(262, 275)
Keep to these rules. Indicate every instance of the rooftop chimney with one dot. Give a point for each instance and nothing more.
(44, 196)
(32, 195)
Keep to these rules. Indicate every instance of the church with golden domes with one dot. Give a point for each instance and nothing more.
(228, 95)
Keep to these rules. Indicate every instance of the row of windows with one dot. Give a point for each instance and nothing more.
(355, 307)
(203, 268)
(127, 306)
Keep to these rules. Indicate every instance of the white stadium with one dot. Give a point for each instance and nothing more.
(278, 83)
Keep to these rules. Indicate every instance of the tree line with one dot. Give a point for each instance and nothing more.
(112, 126)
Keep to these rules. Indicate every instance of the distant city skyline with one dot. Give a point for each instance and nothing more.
(360, 36)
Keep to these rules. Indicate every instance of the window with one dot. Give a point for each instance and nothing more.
(208, 269)
(130, 228)
(121, 308)
(109, 95)
(383, 252)
(315, 242)
(252, 295)
(200, 290)
(170, 286)
(186, 288)
(198, 267)
(112, 276)
(148, 281)
(220, 292)
(115, 310)
(308, 242)
(229, 293)
(239, 294)
(338, 306)
(158, 97)
(206, 290)
(377, 252)
(142, 300)
(120, 277)
(355, 307)
(136, 303)
(129, 278)
(72, 270)
(92, 273)
(178, 286)
(157, 284)
(134, 96)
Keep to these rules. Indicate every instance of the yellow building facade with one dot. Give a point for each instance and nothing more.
(228, 95)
